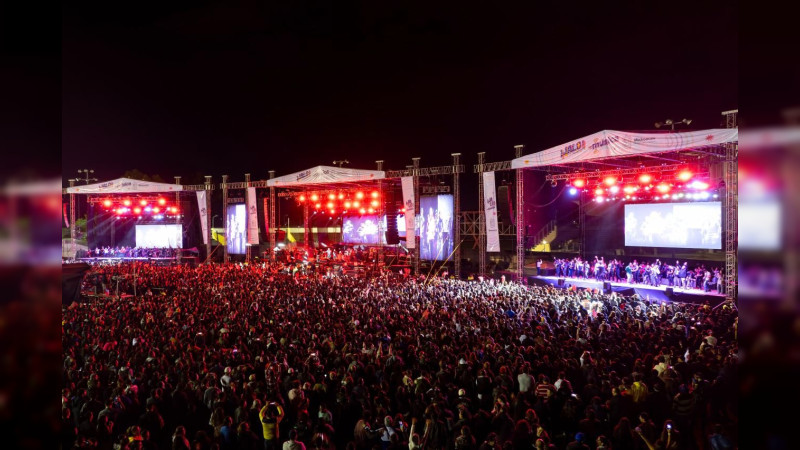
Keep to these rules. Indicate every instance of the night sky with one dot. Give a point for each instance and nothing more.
(204, 88)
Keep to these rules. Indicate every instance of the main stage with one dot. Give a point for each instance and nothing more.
(659, 293)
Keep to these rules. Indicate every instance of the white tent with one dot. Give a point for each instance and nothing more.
(326, 175)
(124, 186)
(619, 144)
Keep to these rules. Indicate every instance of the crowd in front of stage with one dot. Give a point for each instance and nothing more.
(654, 273)
(132, 252)
(236, 356)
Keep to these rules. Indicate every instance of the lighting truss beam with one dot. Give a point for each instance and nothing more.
(617, 172)
(426, 171)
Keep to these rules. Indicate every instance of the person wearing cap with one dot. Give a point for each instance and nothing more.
(578, 443)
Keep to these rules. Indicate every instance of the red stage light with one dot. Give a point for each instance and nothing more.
(685, 175)
(331, 197)
(347, 204)
(318, 206)
(333, 211)
(330, 205)
(314, 197)
(107, 203)
(629, 189)
(663, 188)
(156, 210)
(341, 196)
(371, 210)
(119, 211)
(302, 198)
(579, 183)
(374, 194)
(645, 178)
(359, 195)
(362, 210)
(162, 201)
(356, 203)
(609, 181)
(143, 202)
(126, 202)
(374, 203)
(137, 210)
(598, 191)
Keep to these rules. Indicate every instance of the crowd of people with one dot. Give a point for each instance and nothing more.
(653, 273)
(132, 252)
(241, 356)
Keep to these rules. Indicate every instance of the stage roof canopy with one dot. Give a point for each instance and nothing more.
(609, 144)
(124, 186)
(326, 175)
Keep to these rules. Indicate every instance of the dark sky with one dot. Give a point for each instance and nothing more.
(200, 87)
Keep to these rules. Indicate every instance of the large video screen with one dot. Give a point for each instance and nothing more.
(236, 232)
(760, 225)
(436, 227)
(675, 225)
(360, 230)
(159, 236)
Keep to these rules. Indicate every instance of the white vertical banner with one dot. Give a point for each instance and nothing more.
(490, 213)
(252, 217)
(409, 208)
(203, 208)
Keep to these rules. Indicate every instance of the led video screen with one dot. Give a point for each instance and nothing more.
(674, 225)
(159, 236)
(436, 227)
(236, 231)
(360, 230)
(760, 225)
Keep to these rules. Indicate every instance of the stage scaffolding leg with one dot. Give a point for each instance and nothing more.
(248, 248)
(272, 227)
(208, 218)
(225, 256)
(178, 216)
(481, 218)
(520, 220)
(456, 215)
(72, 226)
(306, 227)
(416, 252)
(381, 228)
(731, 177)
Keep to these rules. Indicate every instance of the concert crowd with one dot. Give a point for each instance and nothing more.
(246, 357)
(653, 273)
(132, 252)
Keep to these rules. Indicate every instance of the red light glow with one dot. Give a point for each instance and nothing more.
(356, 204)
(374, 203)
(341, 196)
(126, 202)
(362, 210)
(137, 210)
(347, 204)
(629, 189)
(331, 197)
(314, 197)
(598, 191)
(685, 175)
(663, 188)
(374, 194)
(318, 206)
(645, 178)
(302, 198)
(579, 183)
(371, 210)
(107, 203)
(143, 202)
(156, 210)
(359, 195)
(610, 181)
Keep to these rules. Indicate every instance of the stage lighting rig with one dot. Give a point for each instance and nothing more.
(671, 123)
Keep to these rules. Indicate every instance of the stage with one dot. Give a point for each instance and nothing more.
(119, 259)
(644, 291)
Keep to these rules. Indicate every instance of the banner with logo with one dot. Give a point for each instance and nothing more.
(409, 207)
(490, 213)
(203, 208)
(611, 144)
(252, 217)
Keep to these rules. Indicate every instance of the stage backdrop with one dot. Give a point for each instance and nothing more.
(490, 213)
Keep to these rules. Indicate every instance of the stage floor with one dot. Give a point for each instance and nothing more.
(643, 290)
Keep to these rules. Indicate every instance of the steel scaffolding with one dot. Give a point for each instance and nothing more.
(731, 178)
(481, 217)
(225, 257)
(416, 252)
(208, 189)
(247, 200)
(456, 215)
(272, 228)
(520, 221)
(381, 228)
